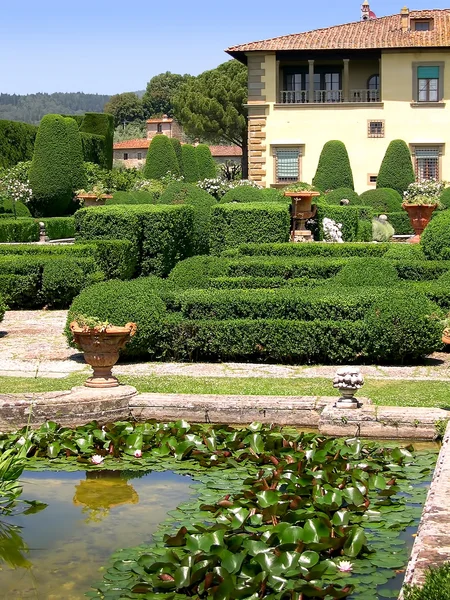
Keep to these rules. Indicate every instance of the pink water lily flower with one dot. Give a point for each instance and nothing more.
(345, 566)
(96, 459)
(137, 453)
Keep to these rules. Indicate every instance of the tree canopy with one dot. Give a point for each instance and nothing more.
(211, 106)
(158, 97)
(125, 108)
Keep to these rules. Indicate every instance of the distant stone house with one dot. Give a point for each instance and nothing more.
(166, 126)
(132, 153)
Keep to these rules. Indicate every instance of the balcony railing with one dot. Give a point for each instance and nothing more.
(328, 96)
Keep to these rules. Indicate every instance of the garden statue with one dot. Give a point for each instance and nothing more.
(348, 380)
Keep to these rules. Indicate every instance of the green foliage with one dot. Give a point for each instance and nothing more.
(75, 155)
(119, 303)
(244, 193)
(115, 258)
(63, 278)
(93, 148)
(202, 204)
(318, 249)
(382, 231)
(116, 179)
(160, 235)
(206, 164)
(19, 230)
(161, 159)
(274, 195)
(334, 170)
(196, 272)
(400, 222)
(383, 200)
(131, 198)
(59, 228)
(401, 328)
(335, 196)
(160, 92)
(233, 224)
(445, 198)
(7, 208)
(436, 586)
(405, 252)
(211, 106)
(130, 131)
(124, 107)
(367, 272)
(101, 124)
(435, 239)
(189, 164)
(2, 308)
(51, 171)
(16, 142)
(177, 147)
(347, 216)
(396, 170)
(364, 233)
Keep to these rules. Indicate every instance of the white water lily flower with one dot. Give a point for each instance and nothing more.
(96, 459)
(138, 453)
(345, 566)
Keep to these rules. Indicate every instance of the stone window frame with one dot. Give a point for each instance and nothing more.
(439, 147)
(415, 80)
(370, 176)
(371, 134)
(300, 149)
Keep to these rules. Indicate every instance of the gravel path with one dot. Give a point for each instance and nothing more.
(32, 344)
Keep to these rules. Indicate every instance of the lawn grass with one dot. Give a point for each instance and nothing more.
(433, 394)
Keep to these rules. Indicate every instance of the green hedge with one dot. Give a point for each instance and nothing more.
(189, 164)
(396, 170)
(244, 193)
(94, 148)
(367, 272)
(286, 267)
(339, 194)
(334, 170)
(234, 224)
(246, 283)
(400, 222)
(438, 291)
(161, 159)
(119, 303)
(16, 142)
(404, 252)
(317, 249)
(2, 308)
(196, 271)
(382, 200)
(435, 239)
(59, 228)
(64, 278)
(7, 208)
(101, 124)
(206, 164)
(346, 215)
(202, 203)
(133, 197)
(160, 235)
(445, 198)
(19, 230)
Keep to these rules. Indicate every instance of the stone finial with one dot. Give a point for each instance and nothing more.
(348, 380)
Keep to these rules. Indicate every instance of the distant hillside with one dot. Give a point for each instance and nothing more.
(31, 108)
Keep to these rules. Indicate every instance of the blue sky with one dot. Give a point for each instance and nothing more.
(110, 47)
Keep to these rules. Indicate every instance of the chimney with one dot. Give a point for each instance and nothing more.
(404, 13)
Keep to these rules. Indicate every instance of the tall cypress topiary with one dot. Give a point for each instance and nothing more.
(101, 124)
(396, 170)
(189, 164)
(75, 151)
(177, 147)
(50, 171)
(334, 170)
(206, 163)
(161, 159)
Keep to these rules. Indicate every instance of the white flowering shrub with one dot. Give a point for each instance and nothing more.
(430, 190)
(218, 187)
(332, 231)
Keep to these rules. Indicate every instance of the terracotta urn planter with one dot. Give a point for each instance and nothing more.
(419, 216)
(93, 200)
(101, 347)
(302, 210)
(446, 338)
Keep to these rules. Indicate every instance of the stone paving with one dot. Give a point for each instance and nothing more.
(32, 344)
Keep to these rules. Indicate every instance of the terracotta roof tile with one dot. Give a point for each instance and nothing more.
(131, 144)
(384, 32)
(161, 120)
(225, 150)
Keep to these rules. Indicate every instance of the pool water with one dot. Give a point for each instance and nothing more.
(89, 516)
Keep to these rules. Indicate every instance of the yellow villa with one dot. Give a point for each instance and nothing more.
(365, 83)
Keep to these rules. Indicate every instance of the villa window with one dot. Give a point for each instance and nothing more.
(287, 165)
(159, 127)
(125, 156)
(428, 82)
(139, 155)
(375, 129)
(422, 25)
(427, 163)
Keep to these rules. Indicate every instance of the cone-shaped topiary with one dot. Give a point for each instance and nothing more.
(75, 152)
(334, 170)
(189, 164)
(177, 147)
(206, 163)
(50, 171)
(161, 159)
(396, 170)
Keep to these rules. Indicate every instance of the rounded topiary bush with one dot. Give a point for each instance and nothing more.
(396, 170)
(161, 159)
(334, 170)
(185, 193)
(189, 164)
(120, 302)
(176, 144)
(197, 271)
(50, 171)
(445, 198)
(206, 164)
(274, 195)
(336, 196)
(361, 272)
(21, 209)
(243, 193)
(435, 240)
(401, 327)
(384, 200)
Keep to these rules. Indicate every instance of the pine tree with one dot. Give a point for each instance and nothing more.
(161, 159)
(334, 170)
(396, 170)
(206, 163)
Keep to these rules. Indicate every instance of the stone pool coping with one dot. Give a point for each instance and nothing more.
(82, 404)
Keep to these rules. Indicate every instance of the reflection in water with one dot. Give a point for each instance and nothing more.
(85, 522)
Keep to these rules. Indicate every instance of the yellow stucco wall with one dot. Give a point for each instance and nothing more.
(312, 125)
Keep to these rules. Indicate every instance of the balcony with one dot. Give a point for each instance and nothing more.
(329, 96)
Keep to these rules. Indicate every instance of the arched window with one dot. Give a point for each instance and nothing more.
(373, 83)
